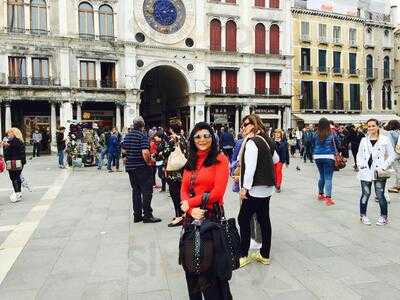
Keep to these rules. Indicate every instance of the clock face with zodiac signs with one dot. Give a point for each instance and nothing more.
(164, 16)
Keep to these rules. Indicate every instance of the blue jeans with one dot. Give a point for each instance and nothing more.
(103, 153)
(379, 186)
(61, 158)
(325, 167)
(112, 157)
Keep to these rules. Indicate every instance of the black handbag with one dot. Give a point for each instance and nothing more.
(231, 236)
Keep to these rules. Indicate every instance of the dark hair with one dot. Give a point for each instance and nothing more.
(175, 125)
(212, 155)
(392, 125)
(373, 120)
(324, 128)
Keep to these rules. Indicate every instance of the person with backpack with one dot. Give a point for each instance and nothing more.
(61, 145)
(206, 172)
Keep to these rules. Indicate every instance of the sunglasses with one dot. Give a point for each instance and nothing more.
(205, 136)
(244, 125)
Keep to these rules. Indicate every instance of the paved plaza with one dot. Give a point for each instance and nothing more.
(73, 238)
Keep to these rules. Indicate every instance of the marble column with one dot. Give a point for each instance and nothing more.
(78, 111)
(118, 117)
(208, 114)
(192, 115)
(279, 119)
(7, 123)
(53, 126)
(237, 120)
(67, 116)
(246, 110)
(287, 118)
(131, 109)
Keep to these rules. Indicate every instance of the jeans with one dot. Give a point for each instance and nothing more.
(307, 153)
(36, 149)
(260, 207)
(142, 191)
(111, 160)
(61, 158)
(15, 177)
(325, 167)
(379, 186)
(103, 153)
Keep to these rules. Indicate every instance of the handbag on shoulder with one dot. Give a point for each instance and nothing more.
(340, 161)
(14, 165)
(176, 160)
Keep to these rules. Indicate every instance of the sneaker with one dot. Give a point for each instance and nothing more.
(381, 221)
(394, 189)
(321, 197)
(244, 261)
(261, 259)
(14, 197)
(278, 189)
(329, 201)
(365, 220)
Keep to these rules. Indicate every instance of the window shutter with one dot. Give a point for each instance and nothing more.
(215, 81)
(231, 81)
(215, 35)
(274, 83)
(274, 3)
(260, 39)
(259, 3)
(274, 39)
(231, 36)
(260, 82)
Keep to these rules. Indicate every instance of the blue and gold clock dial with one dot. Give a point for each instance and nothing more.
(165, 16)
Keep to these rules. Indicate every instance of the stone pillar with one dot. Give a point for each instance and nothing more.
(130, 108)
(53, 126)
(192, 115)
(246, 110)
(287, 118)
(7, 124)
(200, 108)
(279, 119)
(118, 117)
(208, 114)
(78, 111)
(237, 121)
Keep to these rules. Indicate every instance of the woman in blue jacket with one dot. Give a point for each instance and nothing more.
(325, 147)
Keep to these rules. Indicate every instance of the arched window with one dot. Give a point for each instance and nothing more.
(215, 35)
(86, 27)
(106, 22)
(369, 96)
(273, 3)
(230, 36)
(386, 68)
(274, 39)
(15, 16)
(260, 39)
(389, 96)
(38, 16)
(383, 97)
(370, 66)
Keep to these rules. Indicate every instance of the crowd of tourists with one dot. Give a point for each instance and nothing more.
(196, 169)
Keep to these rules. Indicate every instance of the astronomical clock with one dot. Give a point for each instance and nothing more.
(166, 21)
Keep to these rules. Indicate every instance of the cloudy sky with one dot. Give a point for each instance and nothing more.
(350, 6)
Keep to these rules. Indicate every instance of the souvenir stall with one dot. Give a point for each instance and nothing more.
(82, 145)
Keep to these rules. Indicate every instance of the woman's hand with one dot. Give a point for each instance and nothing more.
(198, 213)
(185, 206)
(243, 194)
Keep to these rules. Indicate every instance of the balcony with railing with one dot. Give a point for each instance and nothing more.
(268, 92)
(87, 83)
(217, 90)
(353, 72)
(87, 36)
(323, 70)
(323, 40)
(108, 38)
(336, 71)
(353, 44)
(108, 84)
(38, 32)
(306, 69)
(18, 80)
(371, 73)
(231, 90)
(15, 29)
(337, 42)
(42, 81)
(388, 74)
(305, 38)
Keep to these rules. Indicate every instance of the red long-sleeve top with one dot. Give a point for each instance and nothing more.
(213, 180)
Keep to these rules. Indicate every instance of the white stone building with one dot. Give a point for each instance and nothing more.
(107, 61)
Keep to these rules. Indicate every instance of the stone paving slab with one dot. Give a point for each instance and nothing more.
(87, 247)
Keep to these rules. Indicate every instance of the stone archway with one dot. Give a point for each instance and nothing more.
(164, 97)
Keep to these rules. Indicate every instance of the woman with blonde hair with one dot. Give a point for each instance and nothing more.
(15, 158)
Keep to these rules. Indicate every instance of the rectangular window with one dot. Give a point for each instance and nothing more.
(352, 36)
(273, 3)
(88, 74)
(352, 63)
(305, 30)
(40, 71)
(231, 82)
(306, 95)
(259, 3)
(336, 34)
(305, 60)
(322, 61)
(274, 86)
(216, 81)
(323, 101)
(322, 33)
(336, 62)
(16, 16)
(338, 96)
(260, 83)
(107, 79)
(355, 97)
(17, 70)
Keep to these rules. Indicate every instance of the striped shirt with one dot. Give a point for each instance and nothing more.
(134, 142)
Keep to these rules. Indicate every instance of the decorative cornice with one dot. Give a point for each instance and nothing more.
(225, 16)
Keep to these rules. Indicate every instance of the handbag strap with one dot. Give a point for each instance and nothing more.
(204, 201)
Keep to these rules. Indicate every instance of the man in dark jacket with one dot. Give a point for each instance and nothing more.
(307, 143)
(61, 145)
(227, 142)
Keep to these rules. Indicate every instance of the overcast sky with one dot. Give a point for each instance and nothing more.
(350, 6)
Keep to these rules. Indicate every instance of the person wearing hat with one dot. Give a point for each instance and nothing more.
(137, 163)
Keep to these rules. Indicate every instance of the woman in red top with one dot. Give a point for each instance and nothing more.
(207, 171)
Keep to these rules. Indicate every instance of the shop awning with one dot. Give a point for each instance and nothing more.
(345, 118)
